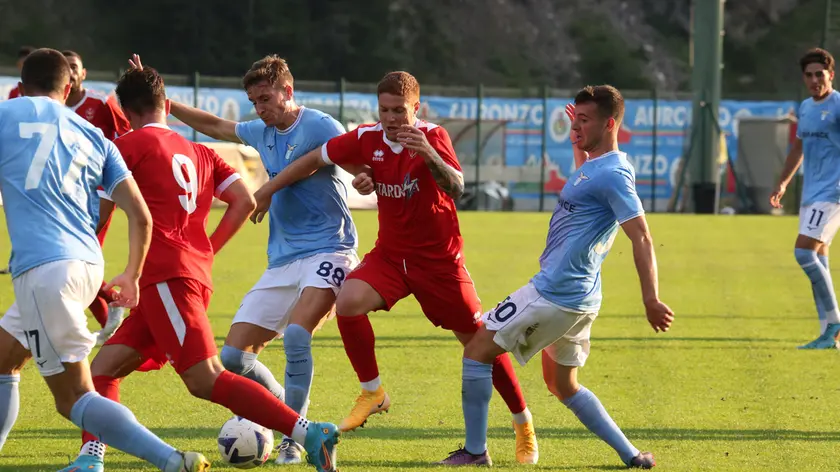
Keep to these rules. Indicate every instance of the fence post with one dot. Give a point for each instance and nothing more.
(543, 145)
(342, 88)
(655, 142)
(196, 81)
(479, 100)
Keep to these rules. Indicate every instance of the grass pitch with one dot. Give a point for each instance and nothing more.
(725, 389)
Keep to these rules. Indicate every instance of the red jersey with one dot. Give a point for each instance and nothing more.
(178, 179)
(104, 112)
(15, 92)
(416, 218)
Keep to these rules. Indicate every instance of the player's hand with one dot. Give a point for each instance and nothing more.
(128, 294)
(573, 135)
(776, 196)
(659, 315)
(363, 183)
(135, 62)
(263, 199)
(412, 138)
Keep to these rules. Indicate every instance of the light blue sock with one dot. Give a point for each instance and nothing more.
(247, 365)
(9, 405)
(586, 406)
(476, 390)
(820, 308)
(299, 368)
(821, 283)
(116, 426)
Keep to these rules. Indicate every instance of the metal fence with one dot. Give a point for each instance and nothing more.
(512, 143)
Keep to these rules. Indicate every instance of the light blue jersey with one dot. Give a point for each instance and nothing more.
(598, 197)
(819, 130)
(311, 216)
(51, 163)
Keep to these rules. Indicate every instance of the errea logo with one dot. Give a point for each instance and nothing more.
(377, 156)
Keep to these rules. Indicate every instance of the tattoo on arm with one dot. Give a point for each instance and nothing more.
(448, 179)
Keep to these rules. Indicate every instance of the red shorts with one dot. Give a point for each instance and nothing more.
(444, 289)
(170, 324)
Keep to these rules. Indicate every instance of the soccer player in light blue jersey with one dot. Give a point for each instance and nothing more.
(817, 148)
(51, 163)
(554, 312)
(312, 238)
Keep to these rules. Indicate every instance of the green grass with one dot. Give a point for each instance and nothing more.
(725, 389)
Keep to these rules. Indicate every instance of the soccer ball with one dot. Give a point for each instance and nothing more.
(244, 444)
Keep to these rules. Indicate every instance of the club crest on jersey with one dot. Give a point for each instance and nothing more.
(581, 177)
(289, 149)
(824, 114)
(378, 156)
(407, 190)
(90, 113)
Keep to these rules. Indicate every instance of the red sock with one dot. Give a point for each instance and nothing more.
(252, 401)
(99, 308)
(506, 383)
(108, 387)
(359, 341)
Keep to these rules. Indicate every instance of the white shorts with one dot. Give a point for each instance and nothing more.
(820, 221)
(48, 316)
(526, 323)
(269, 303)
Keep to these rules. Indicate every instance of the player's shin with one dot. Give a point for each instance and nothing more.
(250, 400)
(246, 364)
(476, 390)
(359, 344)
(589, 410)
(9, 404)
(115, 425)
(506, 383)
(297, 343)
(821, 281)
(108, 387)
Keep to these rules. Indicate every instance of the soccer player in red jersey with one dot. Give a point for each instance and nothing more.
(23, 53)
(178, 180)
(104, 112)
(419, 249)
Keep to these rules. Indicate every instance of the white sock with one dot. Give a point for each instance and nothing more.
(372, 385)
(823, 325)
(523, 417)
(300, 429)
(93, 448)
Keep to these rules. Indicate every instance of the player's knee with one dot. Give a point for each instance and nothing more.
(353, 302)
(200, 386)
(296, 340)
(236, 361)
(561, 388)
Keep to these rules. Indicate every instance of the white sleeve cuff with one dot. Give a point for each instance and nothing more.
(227, 183)
(104, 195)
(326, 156)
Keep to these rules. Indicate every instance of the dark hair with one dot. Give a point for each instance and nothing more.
(68, 54)
(607, 98)
(271, 69)
(45, 70)
(817, 56)
(401, 84)
(141, 91)
(25, 51)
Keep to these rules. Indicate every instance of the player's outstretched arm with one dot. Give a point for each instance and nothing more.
(294, 172)
(127, 196)
(240, 205)
(205, 123)
(792, 163)
(659, 315)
